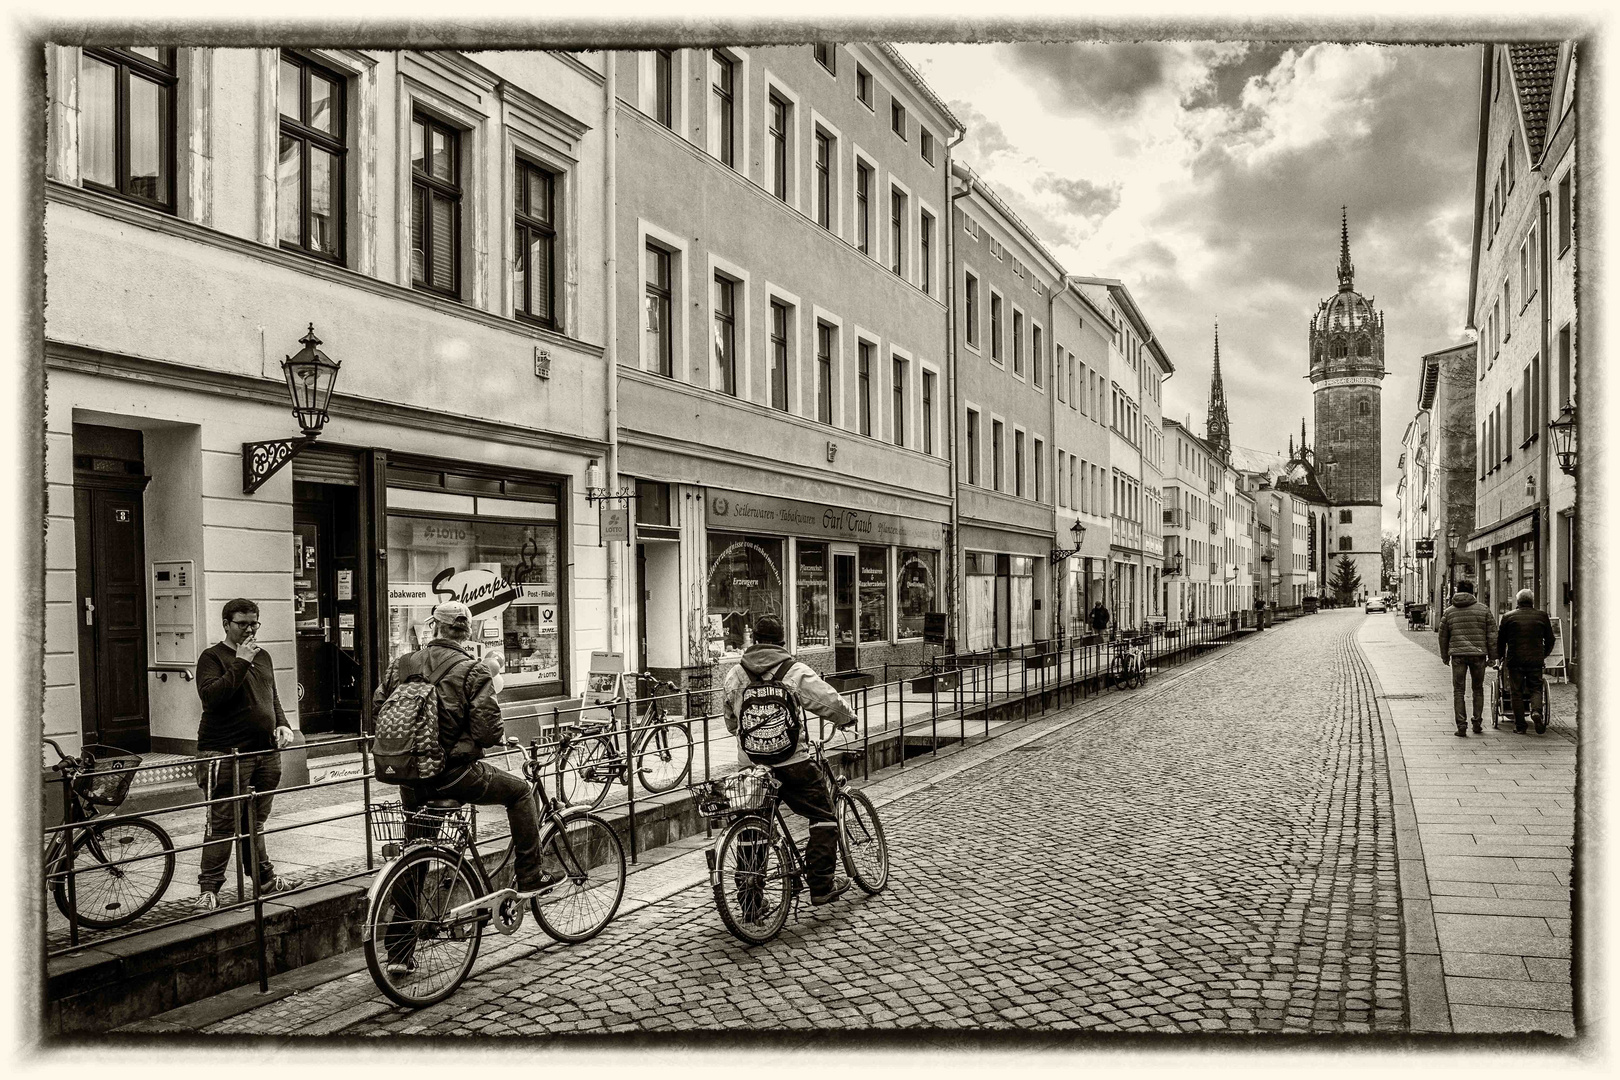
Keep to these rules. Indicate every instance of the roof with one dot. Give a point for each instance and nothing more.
(904, 65)
(1120, 293)
(1534, 65)
(977, 183)
(1271, 464)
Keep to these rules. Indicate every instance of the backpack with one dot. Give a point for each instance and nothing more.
(406, 748)
(769, 723)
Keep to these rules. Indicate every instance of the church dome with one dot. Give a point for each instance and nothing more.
(1345, 310)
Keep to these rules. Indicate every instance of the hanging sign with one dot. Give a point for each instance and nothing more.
(615, 523)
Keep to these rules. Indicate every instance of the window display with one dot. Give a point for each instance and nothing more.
(915, 585)
(814, 597)
(744, 582)
(874, 595)
(506, 572)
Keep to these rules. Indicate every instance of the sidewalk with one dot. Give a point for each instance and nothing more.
(1494, 822)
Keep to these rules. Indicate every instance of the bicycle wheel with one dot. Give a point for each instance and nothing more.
(752, 886)
(585, 849)
(416, 953)
(587, 771)
(861, 842)
(664, 756)
(108, 896)
(1138, 674)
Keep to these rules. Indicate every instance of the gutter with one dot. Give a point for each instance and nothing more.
(610, 322)
(952, 599)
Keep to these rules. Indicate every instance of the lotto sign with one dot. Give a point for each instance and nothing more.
(615, 523)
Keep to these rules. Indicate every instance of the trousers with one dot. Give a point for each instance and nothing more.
(1463, 669)
(228, 817)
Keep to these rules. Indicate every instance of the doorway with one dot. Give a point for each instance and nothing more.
(327, 607)
(109, 477)
(846, 614)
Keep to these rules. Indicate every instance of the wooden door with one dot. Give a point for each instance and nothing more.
(111, 571)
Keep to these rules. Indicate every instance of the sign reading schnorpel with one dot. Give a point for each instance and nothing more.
(767, 514)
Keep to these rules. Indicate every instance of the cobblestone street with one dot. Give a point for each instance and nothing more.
(1213, 853)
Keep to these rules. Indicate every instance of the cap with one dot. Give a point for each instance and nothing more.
(452, 613)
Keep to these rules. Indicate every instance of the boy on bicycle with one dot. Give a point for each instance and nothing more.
(764, 663)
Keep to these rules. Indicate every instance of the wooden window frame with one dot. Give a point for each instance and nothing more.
(423, 182)
(826, 155)
(664, 87)
(779, 331)
(664, 294)
(725, 326)
(781, 112)
(127, 65)
(525, 223)
(826, 343)
(864, 351)
(723, 88)
(335, 144)
(897, 231)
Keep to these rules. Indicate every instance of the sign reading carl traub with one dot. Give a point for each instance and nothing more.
(822, 521)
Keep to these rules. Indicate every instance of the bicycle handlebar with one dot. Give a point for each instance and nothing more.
(66, 760)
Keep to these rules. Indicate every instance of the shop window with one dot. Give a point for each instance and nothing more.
(506, 572)
(874, 594)
(309, 172)
(814, 602)
(744, 582)
(916, 588)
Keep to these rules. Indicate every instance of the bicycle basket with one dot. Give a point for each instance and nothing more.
(107, 774)
(736, 793)
(392, 823)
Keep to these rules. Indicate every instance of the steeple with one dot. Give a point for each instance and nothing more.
(1347, 269)
(1218, 426)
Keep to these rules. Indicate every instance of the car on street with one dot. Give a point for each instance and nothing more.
(1376, 603)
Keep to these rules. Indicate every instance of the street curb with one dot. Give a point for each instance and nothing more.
(1428, 1007)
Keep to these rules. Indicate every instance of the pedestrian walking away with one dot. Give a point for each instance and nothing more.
(1099, 617)
(1467, 643)
(767, 664)
(1259, 613)
(1523, 641)
(236, 680)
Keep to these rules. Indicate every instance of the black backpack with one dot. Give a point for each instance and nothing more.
(769, 720)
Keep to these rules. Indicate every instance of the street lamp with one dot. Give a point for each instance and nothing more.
(1451, 560)
(311, 376)
(1563, 438)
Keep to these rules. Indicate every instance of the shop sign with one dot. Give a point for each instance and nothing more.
(1425, 548)
(486, 594)
(765, 514)
(934, 628)
(615, 523)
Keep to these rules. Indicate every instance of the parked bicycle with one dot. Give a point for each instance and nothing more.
(431, 902)
(1127, 664)
(757, 870)
(119, 867)
(590, 759)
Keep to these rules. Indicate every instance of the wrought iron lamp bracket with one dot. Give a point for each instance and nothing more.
(262, 460)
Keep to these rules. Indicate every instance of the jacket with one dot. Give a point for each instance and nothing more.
(1099, 618)
(1467, 629)
(1524, 637)
(241, 709)
(469, 715)
(813, 692)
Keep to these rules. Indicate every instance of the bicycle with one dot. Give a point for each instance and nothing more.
(429, 904)
(130, 860)
(589, 760)
(756, 868)
(1127, 665)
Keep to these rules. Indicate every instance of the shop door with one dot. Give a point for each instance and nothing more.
(111, 556)
(326, 607)
(641, 607)
(1003, 601)
(846, 647)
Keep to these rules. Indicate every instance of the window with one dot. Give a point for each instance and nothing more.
(1565, 397)
(814, 619)
(126, 123)
(1071, 382)
(1344, 543)
(534, 257)
(863, 209)
(780, 111)
(1526, 399)
(863, 86)
(925, 142)
(897, 117)
(1040, 468)
(899, 380)
(664, 87)
(744, 583)
(722, 108)
(1061, 458)
(779, 355)
(863, 385)
(874, 593)
(435, 206)
(660, 337)
(996, 477)
(928, 412)
(897, 232)
(973, 447)
(1566, 213)
(827, 57)
(1512, 162)
(970, 297)
(1081, 481)
(1496, 436)
(1018, 463)
(1344, 517)
(1507, 429)
(995, 327)
(309, 170)
(916, 573)
(1035, 361)
(725, 333)
(925, 238)
(1364, 408)
(1018, 343)
(1057, 372)
(824, 180)
(1530, 267)
(824, 353)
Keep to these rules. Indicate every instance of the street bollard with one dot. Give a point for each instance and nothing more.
(708, 771)
(365, 795)
(557, 755)
(629, 769)
(933, 711)
(258, 898)
(866, 740)
(902, 720)
(236, 817)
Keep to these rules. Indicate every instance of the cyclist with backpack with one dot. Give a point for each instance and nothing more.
(766, 697)
(436, 712)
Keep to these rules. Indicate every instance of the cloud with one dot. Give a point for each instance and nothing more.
(1081, 197)
(1110, 78)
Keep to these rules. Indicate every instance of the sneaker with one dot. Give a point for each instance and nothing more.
(278, 883)
(1479, 727)
(541, 885)
(840, 886)
(400, 967)
(1541, 724)
(207, 900)
(1518, 726)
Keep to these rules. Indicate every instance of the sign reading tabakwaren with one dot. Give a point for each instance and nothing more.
(764, 513)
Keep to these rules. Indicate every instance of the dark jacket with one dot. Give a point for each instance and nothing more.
(1099, 618)
(469, 715)
(240, 707)
(1524, 637)
(1467, 629)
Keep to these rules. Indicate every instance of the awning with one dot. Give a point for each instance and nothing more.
(1522, 525)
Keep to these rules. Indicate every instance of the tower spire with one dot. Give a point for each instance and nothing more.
(1347, 269)
(1218, 426)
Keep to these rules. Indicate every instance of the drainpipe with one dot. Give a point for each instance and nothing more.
(1141, 470)
(954, 594)
(1054, 574)
(610, 322)
(1549, 534)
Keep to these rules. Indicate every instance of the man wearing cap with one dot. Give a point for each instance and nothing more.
(469, 721)
(1524, 638)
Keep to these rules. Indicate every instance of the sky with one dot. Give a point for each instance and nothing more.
(1209, 176)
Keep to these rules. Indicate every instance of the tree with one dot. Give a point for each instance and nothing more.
(1387, 546)
(1345, 580)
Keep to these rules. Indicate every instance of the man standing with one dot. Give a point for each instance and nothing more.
(1099, 617)
(1523, 640)
(1467, 643)
(241, 711)
(1259, 613)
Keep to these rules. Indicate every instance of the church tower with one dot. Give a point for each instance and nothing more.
(1347, 367)
(1217, 426)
